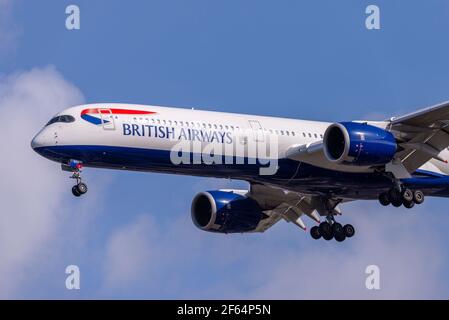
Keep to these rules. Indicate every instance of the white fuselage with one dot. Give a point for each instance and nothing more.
(287, 131)
(153, 138)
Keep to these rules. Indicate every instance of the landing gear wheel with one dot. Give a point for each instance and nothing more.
(409, 204)
(349, 230)
(418, 197)
(75, 191)
(82, 188)
(315, 232)
(396, 202)
(407, 195)
(384, 199)
(327, 237)
(337, 228)
(326, 230)
(340, 237)
(395, 197)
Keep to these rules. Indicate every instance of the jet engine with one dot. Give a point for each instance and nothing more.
(358, 144)
(225, 212)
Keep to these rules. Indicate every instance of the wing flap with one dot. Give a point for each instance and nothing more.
(282, 204)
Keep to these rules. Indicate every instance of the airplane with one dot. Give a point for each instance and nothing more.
(295, 168)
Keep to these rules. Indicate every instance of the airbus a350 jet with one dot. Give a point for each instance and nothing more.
(295, 168)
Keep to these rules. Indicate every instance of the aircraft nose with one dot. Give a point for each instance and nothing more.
(37, 141)
(40, 140)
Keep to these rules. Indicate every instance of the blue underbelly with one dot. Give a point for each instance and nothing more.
(291, 175)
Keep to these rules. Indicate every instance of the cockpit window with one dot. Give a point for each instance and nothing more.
(63, 118)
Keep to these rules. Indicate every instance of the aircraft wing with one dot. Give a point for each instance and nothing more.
(422, 135)
(282, 204)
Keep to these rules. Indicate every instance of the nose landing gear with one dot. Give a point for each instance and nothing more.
(75, 167)
(80, 188)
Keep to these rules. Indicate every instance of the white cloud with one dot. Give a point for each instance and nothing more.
(31, 188)
(175, 260)
(131, 253)
(409, 254)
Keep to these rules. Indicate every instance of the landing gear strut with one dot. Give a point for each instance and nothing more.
(332, 229)
(401, 196)
(79, 188)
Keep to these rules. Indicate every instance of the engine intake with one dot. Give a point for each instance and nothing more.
(359, 144)
(225, 212)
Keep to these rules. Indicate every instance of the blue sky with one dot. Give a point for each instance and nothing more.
(131, 235)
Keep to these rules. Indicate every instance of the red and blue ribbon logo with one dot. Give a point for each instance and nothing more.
(98, 116)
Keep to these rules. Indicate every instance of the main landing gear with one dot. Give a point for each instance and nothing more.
(398, 197)
(80, 188)
(332, 229)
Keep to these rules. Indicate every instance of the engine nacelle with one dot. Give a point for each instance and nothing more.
(225, 212)
(358, 144)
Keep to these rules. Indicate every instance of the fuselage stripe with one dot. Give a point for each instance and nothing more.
(114, 111)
